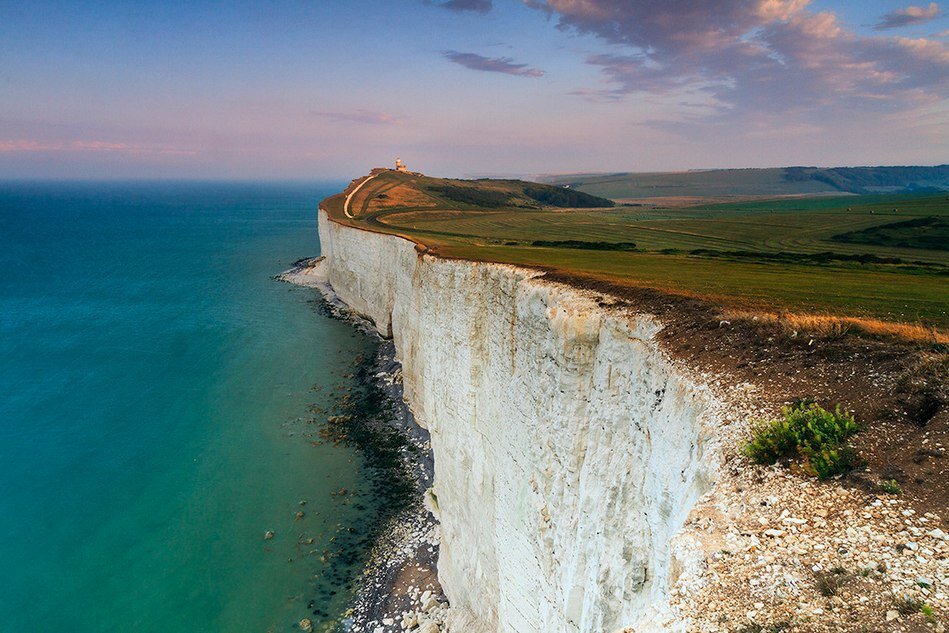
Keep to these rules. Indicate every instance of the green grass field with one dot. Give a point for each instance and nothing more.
(776, 255)
(728, 183)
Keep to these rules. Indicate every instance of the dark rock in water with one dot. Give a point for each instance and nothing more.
(269, 534)
(300, 515)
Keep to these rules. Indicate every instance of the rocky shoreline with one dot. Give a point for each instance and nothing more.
(399, 590)
(401, 577)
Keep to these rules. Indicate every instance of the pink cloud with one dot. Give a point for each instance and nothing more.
(909, 16)
(754, 55)
(23, 145)
(368, 117)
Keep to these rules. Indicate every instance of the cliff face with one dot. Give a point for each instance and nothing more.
(568, 448)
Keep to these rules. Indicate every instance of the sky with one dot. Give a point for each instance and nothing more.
(326, 89)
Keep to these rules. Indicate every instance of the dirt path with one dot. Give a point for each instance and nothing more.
(353, 193)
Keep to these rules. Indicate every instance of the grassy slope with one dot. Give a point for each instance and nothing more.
(713, 183)
(725, 183)
(896, 293)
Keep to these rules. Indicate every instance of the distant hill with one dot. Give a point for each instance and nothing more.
(783, 181)
(873, 179)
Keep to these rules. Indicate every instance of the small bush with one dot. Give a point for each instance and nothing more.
(809, 433)
(928, 613)
(890, 487)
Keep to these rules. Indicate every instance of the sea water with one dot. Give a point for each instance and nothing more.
(157, 390)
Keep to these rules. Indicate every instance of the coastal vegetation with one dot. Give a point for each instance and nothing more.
(810, 435)
(890, 487)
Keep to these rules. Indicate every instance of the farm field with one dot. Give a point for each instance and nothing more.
(775, 255)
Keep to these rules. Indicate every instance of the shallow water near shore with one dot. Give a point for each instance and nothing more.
(157, 397)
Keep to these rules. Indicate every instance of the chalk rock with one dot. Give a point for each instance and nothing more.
(537, 398)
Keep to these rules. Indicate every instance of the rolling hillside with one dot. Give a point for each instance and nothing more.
(751, 183)
(876, 256)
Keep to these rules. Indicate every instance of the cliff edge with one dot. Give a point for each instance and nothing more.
(588, 475)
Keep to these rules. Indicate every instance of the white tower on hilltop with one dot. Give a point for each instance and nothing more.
(399, 165)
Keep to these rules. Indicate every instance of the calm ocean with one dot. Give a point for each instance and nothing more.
(155, 386)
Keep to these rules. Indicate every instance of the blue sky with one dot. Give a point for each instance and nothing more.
(329, 89)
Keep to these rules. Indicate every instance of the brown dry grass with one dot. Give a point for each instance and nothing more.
(826, 325)
(398, 196)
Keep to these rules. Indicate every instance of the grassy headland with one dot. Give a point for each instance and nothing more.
(877, 258)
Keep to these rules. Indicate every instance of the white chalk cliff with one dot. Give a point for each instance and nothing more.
(569, 448)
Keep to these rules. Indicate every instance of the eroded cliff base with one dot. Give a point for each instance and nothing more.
(400, 588)
(401, 576)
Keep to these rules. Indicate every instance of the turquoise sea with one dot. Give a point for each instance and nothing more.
(155, 388)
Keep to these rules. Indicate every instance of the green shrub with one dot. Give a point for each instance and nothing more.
(890, 487)
(809, 433)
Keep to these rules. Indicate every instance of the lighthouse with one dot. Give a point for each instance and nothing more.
(400, 166)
